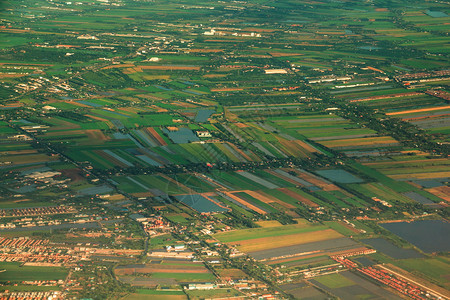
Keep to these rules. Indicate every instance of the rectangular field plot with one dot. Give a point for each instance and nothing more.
(392, 250)
(433, 269)
(146, 294)
(218, 293)
(347, 285)
(299, 291)
(15, 272)
(202, 204)
(263, 239)
(340, 176)
(426, 235)
(165, 274)
(283, 255)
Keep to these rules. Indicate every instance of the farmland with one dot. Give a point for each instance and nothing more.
(244, 149)
(289, 244)
(16, 273)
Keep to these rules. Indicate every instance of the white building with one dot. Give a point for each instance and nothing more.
(275, 71)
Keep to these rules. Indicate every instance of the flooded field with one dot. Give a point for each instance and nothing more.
(429, 235)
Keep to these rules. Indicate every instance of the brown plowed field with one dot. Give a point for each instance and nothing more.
(226, 89)
(245, 203)
(96, 134)
(261, 196)
(442, 192)
(261, 244)
(169, 68)
(151, 131)
(417, 110)
(157, 268)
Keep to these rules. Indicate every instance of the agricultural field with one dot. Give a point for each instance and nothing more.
(289, 245)
(167, 273)
(350, 286)
(434, 270)
(16, 273)
(157, 294)
(310, 136)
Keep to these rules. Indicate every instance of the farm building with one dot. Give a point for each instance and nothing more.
(201, 286)
(275, 71)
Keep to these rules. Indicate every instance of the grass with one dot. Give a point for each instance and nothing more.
(213, 294)
(159, 292)
(177, 219)
(232, 273)
(245, 234)
(341, 228)
(256, 202)
(186, 277)
(268, 224)
(434, 269)
(16, 273)
(23, 204)
(316, 261)
(194, 183)
(281, 196)
(334, 281)
(233, 180)
(260, 244)
(139, 296)
(29, 288)
(380, 191)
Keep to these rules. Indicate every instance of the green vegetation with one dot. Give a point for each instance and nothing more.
(245, 234)
(111, 110)
(432, 269)
(15, 272)
(335, 281)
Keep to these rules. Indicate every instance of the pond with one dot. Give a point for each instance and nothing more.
(428, 235)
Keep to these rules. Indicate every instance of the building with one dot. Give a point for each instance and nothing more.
(180, 247)
(212, 32)
(204, 134)
(42, 175)
(138, 217)
(275, 71)
(201, 286)
(87, 37)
